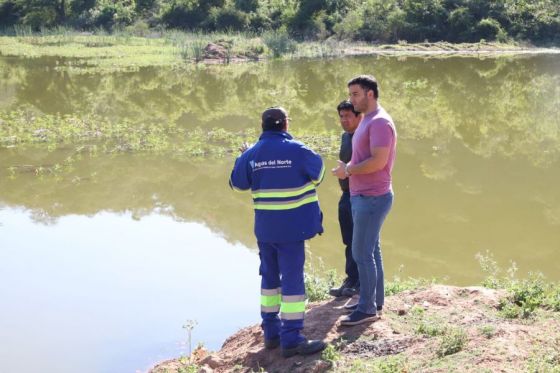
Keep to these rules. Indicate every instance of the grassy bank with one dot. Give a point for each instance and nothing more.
(510, 324)
(523, 296)
(101, 51)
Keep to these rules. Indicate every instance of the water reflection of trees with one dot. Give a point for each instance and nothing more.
(140, 185)
(496, 106)
(446, 209)
(461, 122)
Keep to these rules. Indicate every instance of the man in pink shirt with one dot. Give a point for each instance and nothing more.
(371, 193)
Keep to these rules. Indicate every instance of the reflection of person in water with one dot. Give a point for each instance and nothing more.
(282, 174)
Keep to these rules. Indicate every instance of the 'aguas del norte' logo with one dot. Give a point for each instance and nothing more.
(273, 163)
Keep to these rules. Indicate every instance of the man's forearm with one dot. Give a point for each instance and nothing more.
(378, 159)
(367, 166)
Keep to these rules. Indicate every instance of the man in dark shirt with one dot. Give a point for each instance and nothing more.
(349, 120)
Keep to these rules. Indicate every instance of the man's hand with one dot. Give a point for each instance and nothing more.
(243, 147)
(339, 171)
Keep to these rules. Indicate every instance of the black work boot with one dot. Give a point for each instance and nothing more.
(307, 347)
(350, 291)
(338, 292)
(271, 344)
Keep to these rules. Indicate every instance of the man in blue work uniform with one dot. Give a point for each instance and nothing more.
(282, 174)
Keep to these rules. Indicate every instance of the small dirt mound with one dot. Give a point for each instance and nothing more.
(215, 51)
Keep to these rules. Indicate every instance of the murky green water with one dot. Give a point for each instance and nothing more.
(115, 252)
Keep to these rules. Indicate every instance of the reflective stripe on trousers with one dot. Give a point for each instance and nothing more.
(270, 300)
(292, 307)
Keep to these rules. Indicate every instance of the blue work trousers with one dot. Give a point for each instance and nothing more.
(282, 271)
(368, 213)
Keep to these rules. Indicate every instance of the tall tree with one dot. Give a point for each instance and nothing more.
(42, 13)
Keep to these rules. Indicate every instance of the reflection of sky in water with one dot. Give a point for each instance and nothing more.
(110, 294)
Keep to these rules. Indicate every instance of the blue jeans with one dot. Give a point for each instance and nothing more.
(368, 213)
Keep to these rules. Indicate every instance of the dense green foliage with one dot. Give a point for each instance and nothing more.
(370, 20)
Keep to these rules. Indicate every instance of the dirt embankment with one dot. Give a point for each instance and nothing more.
(435, 329)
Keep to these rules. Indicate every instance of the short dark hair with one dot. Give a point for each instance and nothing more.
(367, 82)
(274, 118)
(347, 105)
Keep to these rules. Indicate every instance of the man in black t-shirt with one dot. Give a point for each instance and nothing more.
(349, 121)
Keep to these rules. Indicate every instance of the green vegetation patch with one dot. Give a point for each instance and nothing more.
(537, 21)
(102, 52)
(524, 296)
(331, 354)
(384, 364)
(545, 359)
(99, 51)
(398, 285)
(487, 331)
(21, 128)
(106, 51)
(24, 127)
(318, 281)
(453, 341)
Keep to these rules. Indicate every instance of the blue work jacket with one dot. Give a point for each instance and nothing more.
(282, 174)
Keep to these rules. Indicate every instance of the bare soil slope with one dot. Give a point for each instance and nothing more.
(435, 329)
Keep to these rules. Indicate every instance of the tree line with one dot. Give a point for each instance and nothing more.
(382, 21)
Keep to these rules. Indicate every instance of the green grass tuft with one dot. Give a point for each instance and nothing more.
(524, 296)
(452, 342)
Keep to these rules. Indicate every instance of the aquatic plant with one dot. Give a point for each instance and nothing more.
(27, 127)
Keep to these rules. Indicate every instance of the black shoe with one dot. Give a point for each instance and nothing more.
(337, 292)
(271, 344)
(305, 348)
(350, 291)
(354, 307)
(358, 317)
